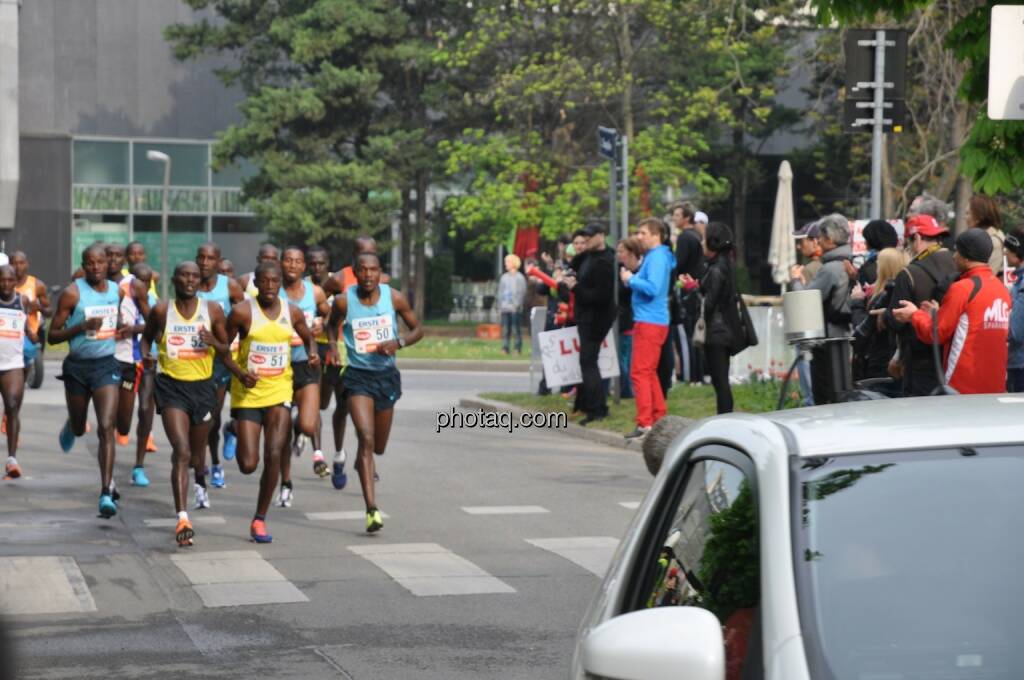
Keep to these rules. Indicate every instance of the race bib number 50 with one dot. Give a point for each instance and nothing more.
(371, 331)
(268, 359)
(108, 313)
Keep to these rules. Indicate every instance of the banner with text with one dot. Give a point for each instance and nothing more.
(560, 352)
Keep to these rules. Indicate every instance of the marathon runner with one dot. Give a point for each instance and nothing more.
(35, 290)
(268, 252)
(369, 311)
(86, 318)
(225, 291)
(261, 392)
(311, 301)
(330, 379)
(187, 331)
(227, 268)
(116, 268)
(136, 301)
(135, 253)
(340, 282)
(14, 314)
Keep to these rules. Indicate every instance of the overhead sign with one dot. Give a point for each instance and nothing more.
(1006, 64)
(607, 139)
(860, 63)
(560, 352)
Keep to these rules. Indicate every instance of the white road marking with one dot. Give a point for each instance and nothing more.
(343, 515)
(505, 510)
(236, 578)
(593, 553)
(630, 505)
(169, 523)
(428, 569)
(43, 585)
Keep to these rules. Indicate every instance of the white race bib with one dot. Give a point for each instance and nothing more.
(268, 359)
(184, 342)
(108, 313)
(12, 324)
(370, 331)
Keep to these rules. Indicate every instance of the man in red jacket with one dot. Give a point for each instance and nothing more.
(973, 320)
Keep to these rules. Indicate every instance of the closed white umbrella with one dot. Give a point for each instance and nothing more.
(781, 253)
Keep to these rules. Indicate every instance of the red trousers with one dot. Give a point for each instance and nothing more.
(650, 402)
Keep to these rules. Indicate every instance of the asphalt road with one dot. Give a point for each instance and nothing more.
(495, 591)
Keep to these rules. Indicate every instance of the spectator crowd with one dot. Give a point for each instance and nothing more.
(917, 314)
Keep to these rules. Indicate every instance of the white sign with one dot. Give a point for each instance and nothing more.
(560, 352)
(857, 242)
(1006, 64)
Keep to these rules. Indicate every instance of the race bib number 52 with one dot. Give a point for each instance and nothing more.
(108, 313)
(268, 359)
(185, 344)
(371, 331)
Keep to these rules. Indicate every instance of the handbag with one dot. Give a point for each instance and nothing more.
(700, 329)
(748, 334)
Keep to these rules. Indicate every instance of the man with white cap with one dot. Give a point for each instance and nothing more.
(689, 262)
(700, 220)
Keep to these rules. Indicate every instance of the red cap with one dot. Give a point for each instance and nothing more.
(925, 225)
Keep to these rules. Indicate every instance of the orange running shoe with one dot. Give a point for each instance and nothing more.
(122, 439)
(3, 426)
(183, 533)
(13, 469)
(258, 531)
(150, 444)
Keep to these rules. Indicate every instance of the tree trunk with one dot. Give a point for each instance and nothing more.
(888, 194)
(420, 247)
(739, 195)
(408, 237)
(963, 197)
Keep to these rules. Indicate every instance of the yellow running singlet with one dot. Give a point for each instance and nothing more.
(181, 353)
(265, 351)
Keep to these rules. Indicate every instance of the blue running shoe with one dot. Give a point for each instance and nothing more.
(230, 444)
(108, 508)
(67, 438)
(139, 477)
(217, 477)
(338, 477)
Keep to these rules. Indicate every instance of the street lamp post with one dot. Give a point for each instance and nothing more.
(161, 157)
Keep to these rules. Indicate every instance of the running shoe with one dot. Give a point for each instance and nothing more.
(114, 493)
(639, 433)
(183, 533)
(139, 477)
(374, 521)
(66, 437)
(230, 444)
(13, 470)
(299, 445)
(338, 477)
(202, 497)
(258, 531)
(3, 426)
(285, 497)
(217, 477)
(150, 444)
(122, 439)
(320, 468)
(108, 508)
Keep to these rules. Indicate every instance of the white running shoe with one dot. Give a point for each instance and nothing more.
(202, 497)
(285, 497)
(299, 445)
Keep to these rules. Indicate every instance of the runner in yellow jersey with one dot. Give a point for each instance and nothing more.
(261, 391)
(187, 331)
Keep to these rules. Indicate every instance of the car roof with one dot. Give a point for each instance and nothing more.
(899, 424)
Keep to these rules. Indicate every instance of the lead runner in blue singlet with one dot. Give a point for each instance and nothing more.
(370, 311)
(86, 318)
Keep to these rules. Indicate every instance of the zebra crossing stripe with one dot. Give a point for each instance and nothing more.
(428, 569)
(43, 585)
(236, 578)
(593, 553)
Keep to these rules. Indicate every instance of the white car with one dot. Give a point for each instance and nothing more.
(879, 540)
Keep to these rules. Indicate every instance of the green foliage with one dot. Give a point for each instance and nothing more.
(730, 567)
(440, 269)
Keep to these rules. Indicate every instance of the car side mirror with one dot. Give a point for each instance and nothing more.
(657, 644)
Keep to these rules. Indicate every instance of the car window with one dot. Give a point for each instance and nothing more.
(709, 559)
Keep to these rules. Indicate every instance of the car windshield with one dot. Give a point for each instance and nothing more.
(910, 565)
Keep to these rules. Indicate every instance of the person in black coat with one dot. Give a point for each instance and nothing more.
(878, 235)
(594, 305)
(721, 316)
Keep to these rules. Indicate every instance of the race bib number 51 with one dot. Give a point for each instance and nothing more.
(268, 359)
(371, 331)
(108, 313)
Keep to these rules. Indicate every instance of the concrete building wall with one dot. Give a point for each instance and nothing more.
(44, 207)
(103, 67)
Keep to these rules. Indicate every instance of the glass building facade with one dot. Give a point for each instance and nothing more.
(116, 195)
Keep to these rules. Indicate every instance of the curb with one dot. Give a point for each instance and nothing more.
(480, 365)
(606, 437)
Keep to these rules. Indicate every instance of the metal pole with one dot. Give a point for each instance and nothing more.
(613, 233)
(625, 186)
(163, 229)
(878, 136)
